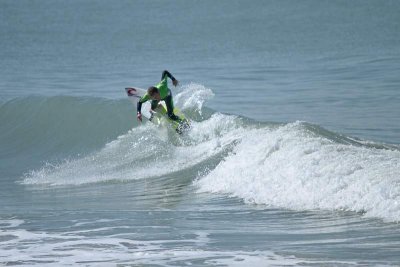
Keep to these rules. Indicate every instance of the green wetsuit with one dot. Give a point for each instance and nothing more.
(165, 95)
(162, 89)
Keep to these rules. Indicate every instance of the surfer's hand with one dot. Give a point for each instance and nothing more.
(139, 116)
(175, 82)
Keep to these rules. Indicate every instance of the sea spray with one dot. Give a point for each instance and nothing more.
(193, 96)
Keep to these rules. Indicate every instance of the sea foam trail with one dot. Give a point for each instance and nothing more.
(292, 167)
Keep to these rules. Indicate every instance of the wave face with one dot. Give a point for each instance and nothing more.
(35, 129)
(295, 166)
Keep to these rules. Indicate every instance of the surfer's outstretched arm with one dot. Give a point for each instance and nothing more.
(139, 111)
(169, 75)
(139, 105)
(165, 72)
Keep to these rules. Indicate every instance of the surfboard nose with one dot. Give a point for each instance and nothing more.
(131, 91)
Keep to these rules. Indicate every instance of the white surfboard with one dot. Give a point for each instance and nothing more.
(159, 115)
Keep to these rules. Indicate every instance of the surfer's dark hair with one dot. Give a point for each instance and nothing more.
(152, 90)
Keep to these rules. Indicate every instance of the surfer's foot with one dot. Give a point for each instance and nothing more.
(174, 118)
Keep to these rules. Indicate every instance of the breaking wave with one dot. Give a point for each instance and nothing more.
(295, 165)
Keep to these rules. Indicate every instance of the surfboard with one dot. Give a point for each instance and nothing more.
(159, 115)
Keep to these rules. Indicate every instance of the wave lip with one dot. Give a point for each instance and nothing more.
(292, 167)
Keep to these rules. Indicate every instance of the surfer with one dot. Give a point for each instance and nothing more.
(158, 93)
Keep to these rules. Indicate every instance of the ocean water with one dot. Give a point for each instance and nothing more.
(293, 158)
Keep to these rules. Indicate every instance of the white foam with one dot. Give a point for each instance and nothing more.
(10, 223)
(75, 248)
(290, 167)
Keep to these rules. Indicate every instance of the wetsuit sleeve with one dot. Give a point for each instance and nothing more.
(143, 99)
(168, 74)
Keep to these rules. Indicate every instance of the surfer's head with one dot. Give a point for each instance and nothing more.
(154, 93)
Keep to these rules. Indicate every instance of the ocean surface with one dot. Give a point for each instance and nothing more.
(293, 158)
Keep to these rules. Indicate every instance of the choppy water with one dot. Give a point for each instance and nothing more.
(293, 158)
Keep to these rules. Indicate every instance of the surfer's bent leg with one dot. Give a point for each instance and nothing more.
(170, 108)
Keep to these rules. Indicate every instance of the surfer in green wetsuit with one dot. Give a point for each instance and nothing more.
(158, 93)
